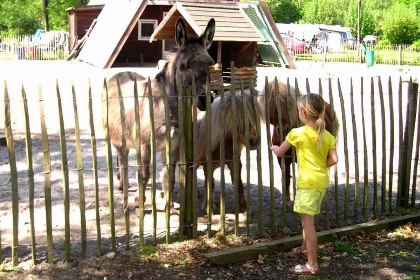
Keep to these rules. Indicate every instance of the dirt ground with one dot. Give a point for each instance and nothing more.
(192, 263)
(392, 254)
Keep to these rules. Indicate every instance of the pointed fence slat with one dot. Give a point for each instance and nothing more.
(383, 176)
(282, 163)
(168, 163)
(235, 158)
(153, 155)
(65, 171)
(408, 138)
(195, 162)
(356, 154)
(401, 145)
(14, 176)
(247, 150)
(47, 178)
(270, 153)
(109, 166)
(188, 229)
(374, 158)
(365, 156)
(182, 163)
(346, 154)
(222, 160)
(140, 167)
(79, 159)
(289, 110)
(123, 162)
(416, 159)
(333, 121)
(31, 183)
(326, 200)
(95, 174)
(259, 170)
(209, 174)
(391, 145)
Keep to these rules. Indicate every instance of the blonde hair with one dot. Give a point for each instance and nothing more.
(314, 106)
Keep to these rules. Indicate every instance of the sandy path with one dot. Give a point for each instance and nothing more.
(31, 75)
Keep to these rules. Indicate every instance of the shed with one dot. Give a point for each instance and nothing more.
(123, 35)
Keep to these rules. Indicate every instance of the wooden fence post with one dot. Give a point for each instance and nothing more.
(31, 183)
(47, 179)
(188, 218)
(14, 175)
(408, 142)
(123, 165)
(79, 159)
(65, 173)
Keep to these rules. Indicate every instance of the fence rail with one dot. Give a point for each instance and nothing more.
(48, 46)
(392, 54)
(351, 199)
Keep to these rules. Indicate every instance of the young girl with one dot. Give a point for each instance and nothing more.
(315, 148)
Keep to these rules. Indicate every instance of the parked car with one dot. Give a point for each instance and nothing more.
(53, 40)
(294, 45)
(369, 39)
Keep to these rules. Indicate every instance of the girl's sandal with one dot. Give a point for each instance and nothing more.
(304, 270)
(300, 252)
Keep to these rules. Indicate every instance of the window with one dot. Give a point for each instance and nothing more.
(146, 28)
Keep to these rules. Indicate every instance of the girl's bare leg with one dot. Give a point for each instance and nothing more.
(310, 238)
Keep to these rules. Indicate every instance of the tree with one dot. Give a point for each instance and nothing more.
(46, 20)
(367, 23)
(284, 11)
(400, 25)
(325, 11)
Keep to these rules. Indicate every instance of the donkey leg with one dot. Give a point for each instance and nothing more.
(287, 159)
(121, 156)
(145, 162)
(204, 203)
(241, 196)
(164, 179)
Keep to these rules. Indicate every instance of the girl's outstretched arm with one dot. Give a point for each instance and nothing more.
(332, 157)
(282, 149)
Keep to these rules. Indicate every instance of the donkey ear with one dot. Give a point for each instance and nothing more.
(208, 34)
(181, 37)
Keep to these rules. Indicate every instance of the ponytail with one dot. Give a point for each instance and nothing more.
(320, 125)
(315, 108)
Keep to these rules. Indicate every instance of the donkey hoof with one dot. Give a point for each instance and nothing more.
(136, 202)
(172, 211)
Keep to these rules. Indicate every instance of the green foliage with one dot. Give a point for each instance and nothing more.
(19, 16)
(284, 11)
(400, 25)
(325, 11)
(26, 16)
(367, 21)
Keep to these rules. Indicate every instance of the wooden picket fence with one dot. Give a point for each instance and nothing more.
(402, 195)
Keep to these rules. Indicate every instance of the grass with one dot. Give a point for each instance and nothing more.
(409, 56)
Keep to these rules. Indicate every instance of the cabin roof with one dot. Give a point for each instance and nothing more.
(232, 24)
(114, 24)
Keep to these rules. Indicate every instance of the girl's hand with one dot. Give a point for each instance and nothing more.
(282, 149)
(276, 150)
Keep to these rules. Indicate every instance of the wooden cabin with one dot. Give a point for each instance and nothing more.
(143, 33)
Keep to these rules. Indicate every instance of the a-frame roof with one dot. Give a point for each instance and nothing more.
(114, 24)
(232, 24)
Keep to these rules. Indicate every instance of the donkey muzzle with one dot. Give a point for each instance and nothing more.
(201, 102)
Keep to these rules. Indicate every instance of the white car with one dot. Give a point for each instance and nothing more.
(369, 39)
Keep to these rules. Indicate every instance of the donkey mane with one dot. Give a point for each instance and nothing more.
(227, 122)
(288, 108)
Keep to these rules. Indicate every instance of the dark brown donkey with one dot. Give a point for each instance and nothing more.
(190, 62)
(290, 119)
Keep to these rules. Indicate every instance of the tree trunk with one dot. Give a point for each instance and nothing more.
(47, 23)
(359, 11)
